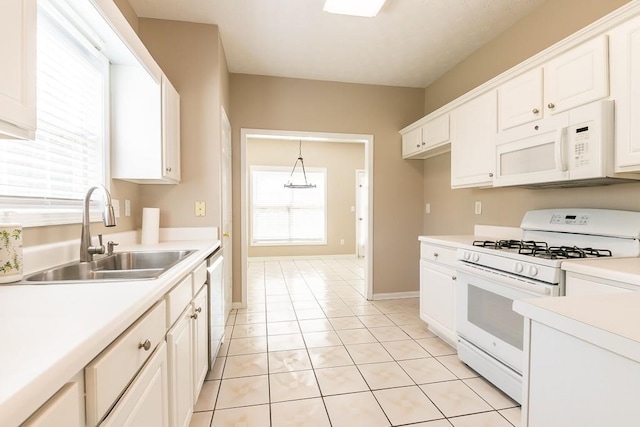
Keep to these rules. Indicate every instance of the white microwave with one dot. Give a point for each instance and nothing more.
(571, 148)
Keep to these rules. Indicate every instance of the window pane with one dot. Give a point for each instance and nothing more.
(284, 215)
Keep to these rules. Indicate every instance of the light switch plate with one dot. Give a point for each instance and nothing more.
(127, 207)
(427, 208)
(478, 208)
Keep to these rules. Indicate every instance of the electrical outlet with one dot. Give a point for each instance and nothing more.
(201, 208)
(353, 208)
(127, 207)
(427, 208)
(478, 208)
(342, 241)
(116, 207)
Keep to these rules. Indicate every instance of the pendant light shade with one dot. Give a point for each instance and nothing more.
(300, 160)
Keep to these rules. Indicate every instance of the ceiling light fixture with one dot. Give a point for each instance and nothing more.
(366, 8)
(306, 184)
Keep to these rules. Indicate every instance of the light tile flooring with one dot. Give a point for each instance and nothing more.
(310, 350)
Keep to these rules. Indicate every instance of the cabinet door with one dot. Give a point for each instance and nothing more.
(179, 346)
(170, 131)
(577, 77)
(473, 132)
(520, 100)
(200, 341)
(65, 408)
(436, 131)
(18, 68)
(411, 142)
(625, 89)
(145, 403)
(437, 299)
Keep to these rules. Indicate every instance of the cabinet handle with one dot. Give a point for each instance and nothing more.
(417, 145)
(199, 310)
(535, 111)
(194, 316)
(146, 345)
(436, 254)
(551, 105)
(454, 278)
(168, 169)
(490, 174)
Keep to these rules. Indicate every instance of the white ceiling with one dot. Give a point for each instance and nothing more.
(410, 43)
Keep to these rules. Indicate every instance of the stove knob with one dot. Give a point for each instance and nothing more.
(475, 257)
(533, 270)
(518, 268)
(466, 255)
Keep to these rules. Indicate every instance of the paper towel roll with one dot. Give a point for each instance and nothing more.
(10, 253)
(150, 226)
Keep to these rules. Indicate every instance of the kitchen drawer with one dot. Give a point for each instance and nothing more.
(437, 253)
(108, 375)
(199, 277)
(178, 298)
(65, 408)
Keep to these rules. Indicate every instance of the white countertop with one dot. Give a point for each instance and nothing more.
(608, 321)
(625, 270)
(49, 333)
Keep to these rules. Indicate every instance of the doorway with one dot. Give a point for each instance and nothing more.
(319, 137)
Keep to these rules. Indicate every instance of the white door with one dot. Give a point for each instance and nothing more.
(361, 213)
(226, 216)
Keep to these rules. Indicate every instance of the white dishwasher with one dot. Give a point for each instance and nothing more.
(216, 301)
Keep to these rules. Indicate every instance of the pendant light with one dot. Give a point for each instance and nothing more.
(306, 184)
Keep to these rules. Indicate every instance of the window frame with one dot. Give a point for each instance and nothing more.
(286, 170)
(46, 211)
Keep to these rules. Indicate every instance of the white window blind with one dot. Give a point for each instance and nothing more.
(48, 177)
(285, 216)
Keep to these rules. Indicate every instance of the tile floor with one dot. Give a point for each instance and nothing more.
(310, 350)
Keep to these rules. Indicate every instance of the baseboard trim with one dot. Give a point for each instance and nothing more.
(285, 258)
(236, 305)
(396, 295)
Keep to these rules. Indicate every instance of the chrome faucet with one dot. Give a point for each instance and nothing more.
(108, 217)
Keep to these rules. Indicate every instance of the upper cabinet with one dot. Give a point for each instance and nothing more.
(571, 79)
(18, 69)
(625, 89)
(145, 127)
(428, 139)
(473, 133)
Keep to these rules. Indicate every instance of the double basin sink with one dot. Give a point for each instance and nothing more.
(118, 266)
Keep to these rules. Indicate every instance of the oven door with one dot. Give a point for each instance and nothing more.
(485, 317)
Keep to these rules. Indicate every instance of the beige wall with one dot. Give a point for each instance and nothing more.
(341, 161)
(191, 56)
(550, 23)
(452, 211)
(290, 104)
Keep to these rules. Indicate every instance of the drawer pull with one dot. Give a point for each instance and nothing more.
(194, 316)
(199, 310)
(454, 278)
(146, 345)
(435, 254)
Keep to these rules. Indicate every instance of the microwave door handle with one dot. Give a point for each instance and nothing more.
(560, 141)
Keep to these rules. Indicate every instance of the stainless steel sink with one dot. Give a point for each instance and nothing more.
(119, 266)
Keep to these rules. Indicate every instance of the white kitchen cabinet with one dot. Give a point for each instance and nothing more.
(65, 408)
(577, 77)
(145, 127)
(180, 354)
(520, 99)
(145, 403)
(473, 132)
(429, 139)
(577, 284)
(18, 69)
(200, 340)
(625, 89)
(438, 290)
(571, 382)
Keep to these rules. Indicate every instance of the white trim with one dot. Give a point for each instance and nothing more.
(306, 136)
(301, 257)
(236, 305)
(396, 295)
(599, 27)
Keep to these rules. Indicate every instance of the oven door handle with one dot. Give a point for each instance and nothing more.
(505, 280)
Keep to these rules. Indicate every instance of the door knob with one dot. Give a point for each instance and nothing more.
(551, 105)
(536, 111)
(225, 234)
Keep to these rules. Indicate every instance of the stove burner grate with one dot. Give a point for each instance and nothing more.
(542, 249)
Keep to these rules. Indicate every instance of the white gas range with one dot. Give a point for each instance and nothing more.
(492, 274)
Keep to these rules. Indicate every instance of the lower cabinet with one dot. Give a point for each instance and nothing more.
(65, 408)
(200, 335)
(438, 290)
(145, 403)
(179, 343)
